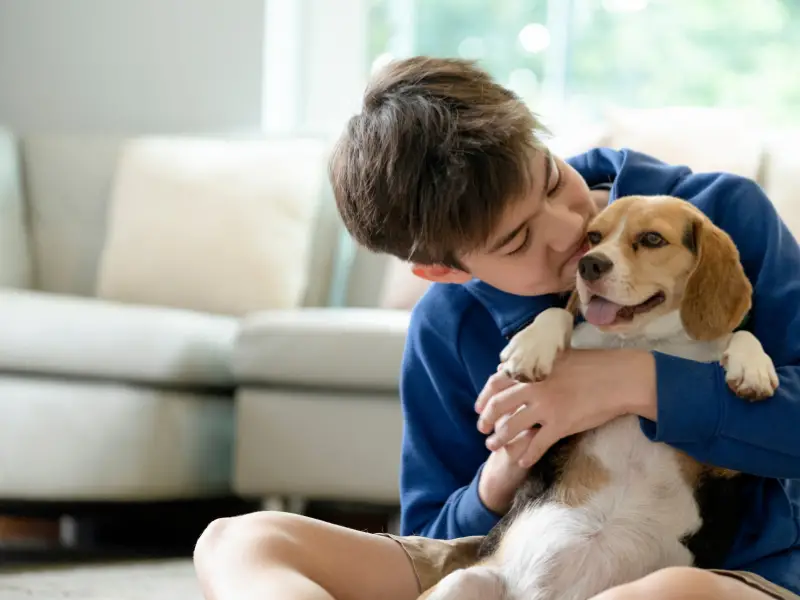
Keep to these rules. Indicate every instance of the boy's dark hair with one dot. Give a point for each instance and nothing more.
(430, 164)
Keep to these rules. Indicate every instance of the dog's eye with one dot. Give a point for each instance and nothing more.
(651, 239)
(594, 237)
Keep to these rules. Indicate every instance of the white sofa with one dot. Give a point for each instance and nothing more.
(104, 400)
(165, 403)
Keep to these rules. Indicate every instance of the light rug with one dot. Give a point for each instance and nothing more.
(140, 580)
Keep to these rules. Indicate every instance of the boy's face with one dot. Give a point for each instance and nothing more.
(536, 248)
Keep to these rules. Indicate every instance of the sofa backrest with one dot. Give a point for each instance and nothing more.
(67, 185)
(15, 258)
(781, 175)
(716, 139)
(68, 182)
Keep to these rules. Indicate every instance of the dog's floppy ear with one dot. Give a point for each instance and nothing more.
(573, 303)
(718, 294)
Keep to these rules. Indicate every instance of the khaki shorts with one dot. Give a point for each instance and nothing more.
(433, 559)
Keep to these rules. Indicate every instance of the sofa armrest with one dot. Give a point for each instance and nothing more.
(343, 348)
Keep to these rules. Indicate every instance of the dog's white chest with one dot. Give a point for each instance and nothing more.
(629, 528)
(665, 335)
(647, 490)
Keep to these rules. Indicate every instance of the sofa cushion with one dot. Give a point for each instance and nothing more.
(52, 334)
(220, 226)
(348, 348)
(401, 288)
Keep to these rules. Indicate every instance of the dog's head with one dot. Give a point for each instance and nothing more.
(652, 255)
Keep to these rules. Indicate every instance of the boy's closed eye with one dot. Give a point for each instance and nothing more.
(554, 184)
(523, 245)
(556, 180)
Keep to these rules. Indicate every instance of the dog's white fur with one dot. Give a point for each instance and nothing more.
(632, 526)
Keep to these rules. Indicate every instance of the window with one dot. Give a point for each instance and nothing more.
(570, 59)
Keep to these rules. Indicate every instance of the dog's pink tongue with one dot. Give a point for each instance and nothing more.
(601, 312)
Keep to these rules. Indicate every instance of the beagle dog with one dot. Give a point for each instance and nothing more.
(609, 506)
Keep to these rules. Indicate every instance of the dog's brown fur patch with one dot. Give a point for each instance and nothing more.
(582, 476)
(693, 471)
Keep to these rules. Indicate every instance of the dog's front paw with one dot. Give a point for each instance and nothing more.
(749, 371)
(531, 354)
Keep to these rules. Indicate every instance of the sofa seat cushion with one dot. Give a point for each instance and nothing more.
(347, 348)
(77, 440)
(50, 334)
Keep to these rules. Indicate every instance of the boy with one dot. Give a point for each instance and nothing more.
(444, 168)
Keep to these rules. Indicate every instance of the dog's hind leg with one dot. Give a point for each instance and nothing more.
(473, 583)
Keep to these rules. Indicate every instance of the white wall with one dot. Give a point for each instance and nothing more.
(131, 65)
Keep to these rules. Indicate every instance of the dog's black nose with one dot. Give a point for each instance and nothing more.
(593, 266)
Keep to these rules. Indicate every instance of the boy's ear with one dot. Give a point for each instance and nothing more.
(440, 273)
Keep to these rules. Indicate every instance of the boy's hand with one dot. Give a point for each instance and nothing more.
(501, 475)
(586, 389)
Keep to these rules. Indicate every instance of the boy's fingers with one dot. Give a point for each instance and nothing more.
(496, 384)
(516, 447)
(500, 403)
(507, 429)
(539, 444)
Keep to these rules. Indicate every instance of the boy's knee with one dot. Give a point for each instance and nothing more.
(210, 538)
(673, 583)
(267, 535)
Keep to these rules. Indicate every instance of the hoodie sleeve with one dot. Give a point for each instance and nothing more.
(696, 411)
(442, 451)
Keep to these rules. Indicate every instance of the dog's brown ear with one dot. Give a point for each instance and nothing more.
(573, 303)
(718, 293)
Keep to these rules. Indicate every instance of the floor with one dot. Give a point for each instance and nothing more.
(151, 580)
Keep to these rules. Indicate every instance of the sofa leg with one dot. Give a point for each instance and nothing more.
(297, 505)
(274, 503)
(291, 504)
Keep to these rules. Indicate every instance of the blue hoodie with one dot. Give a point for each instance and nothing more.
(457, 333)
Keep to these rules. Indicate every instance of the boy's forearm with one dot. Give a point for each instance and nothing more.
(698, 413)
(639, 367)
(462, 514)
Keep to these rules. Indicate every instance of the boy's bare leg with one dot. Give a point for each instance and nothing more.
(290, 557)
